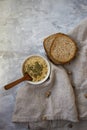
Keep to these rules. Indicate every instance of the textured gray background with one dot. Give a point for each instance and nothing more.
(23, 26)
(25, 23)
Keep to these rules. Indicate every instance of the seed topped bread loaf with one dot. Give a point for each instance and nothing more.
(63, 49)
(60, 48)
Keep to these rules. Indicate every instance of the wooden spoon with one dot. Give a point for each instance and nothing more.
(25, 77)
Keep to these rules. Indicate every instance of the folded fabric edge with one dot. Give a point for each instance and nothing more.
(27, 119)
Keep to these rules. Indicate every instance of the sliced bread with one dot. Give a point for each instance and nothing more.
(48, 42)
(63, 49)
(47, 45)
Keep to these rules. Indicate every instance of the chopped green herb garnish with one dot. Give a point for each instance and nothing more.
(35, 70)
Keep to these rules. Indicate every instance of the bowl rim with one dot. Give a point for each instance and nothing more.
(48, 73)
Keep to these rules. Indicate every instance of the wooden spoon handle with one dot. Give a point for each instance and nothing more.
(10, 85)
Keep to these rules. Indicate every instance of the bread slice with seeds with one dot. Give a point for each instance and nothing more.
(62, 49)
(47, 45)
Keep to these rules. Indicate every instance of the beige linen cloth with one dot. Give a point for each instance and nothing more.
(78, 67)
(32, 104)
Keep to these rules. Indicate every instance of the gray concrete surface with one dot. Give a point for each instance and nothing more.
(23, 26)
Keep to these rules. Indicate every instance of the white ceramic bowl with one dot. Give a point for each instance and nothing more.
(47, 74)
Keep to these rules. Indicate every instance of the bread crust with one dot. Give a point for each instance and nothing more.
(45, 42)
(47, 49)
